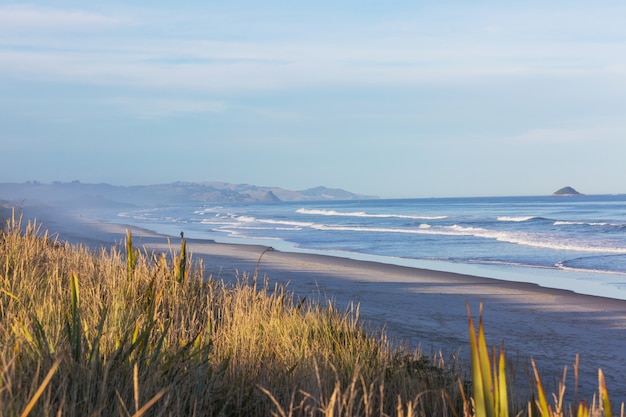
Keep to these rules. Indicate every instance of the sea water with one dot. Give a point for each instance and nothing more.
(576, 243)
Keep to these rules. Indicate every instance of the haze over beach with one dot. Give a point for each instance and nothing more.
(408, 99)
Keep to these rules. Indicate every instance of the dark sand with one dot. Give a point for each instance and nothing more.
(423, 307)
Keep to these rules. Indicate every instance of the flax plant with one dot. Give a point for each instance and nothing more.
(131, 256)
(488, 374)
(490, 390)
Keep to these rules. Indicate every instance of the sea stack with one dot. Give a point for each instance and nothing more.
(566, 191)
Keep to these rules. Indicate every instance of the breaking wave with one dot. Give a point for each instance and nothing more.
(536, 240)
(516, 219)
(321, 212)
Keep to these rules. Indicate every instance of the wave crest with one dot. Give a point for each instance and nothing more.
(322, 212)
(516, 219)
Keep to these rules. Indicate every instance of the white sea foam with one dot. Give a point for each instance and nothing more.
(232, 222)
(562, 266)
(538, 240)
(364, 214)
(239, 233)
(286, 223)
(222, 222)
(209, 210)
(515, 218)
(571, 223)
(542, 240)
(250, 219)
(246, 219)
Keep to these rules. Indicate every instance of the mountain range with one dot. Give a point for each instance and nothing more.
(106, 195)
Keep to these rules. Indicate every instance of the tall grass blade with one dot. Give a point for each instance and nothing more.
(136, 386)
(74, 326)
(182, 261)
(95, 344)
(131, 256)
(9, 294)
(31, 404)
(477, 375)
(280, 410)
(150, 403)
(488, 374)
(542, 402)
(583, 410)
(604, 395)
(503, 400)
(485, 366)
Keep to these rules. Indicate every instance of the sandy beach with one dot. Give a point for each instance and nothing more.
(422, 307)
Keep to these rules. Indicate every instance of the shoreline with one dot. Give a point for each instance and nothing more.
(422, 307)
(584, 281)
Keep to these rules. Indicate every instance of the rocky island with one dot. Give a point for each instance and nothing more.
(566, 191)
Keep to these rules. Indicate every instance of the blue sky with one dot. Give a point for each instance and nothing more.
(397, 99)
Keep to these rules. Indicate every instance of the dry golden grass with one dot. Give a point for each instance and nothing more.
(127, 332)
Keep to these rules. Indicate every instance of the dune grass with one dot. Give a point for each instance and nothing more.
(126, 332)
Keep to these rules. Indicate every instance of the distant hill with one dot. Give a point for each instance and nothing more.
(106, 195)
(5, 212)
(566, 191)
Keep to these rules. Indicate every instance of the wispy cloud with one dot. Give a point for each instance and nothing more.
(220, 66)
(28, 17)
(380, 56)
(485, 47)
(165, 107)
(592, 135)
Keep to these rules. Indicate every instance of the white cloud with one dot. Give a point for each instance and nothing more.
(27, 17)
(214, 62)
(593, 135)
(164, 107)
(242, 66)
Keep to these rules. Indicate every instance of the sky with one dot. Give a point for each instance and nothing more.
(396, 99)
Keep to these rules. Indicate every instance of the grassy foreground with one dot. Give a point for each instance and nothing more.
(127, 332)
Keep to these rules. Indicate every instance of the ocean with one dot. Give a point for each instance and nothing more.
(576, 243)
